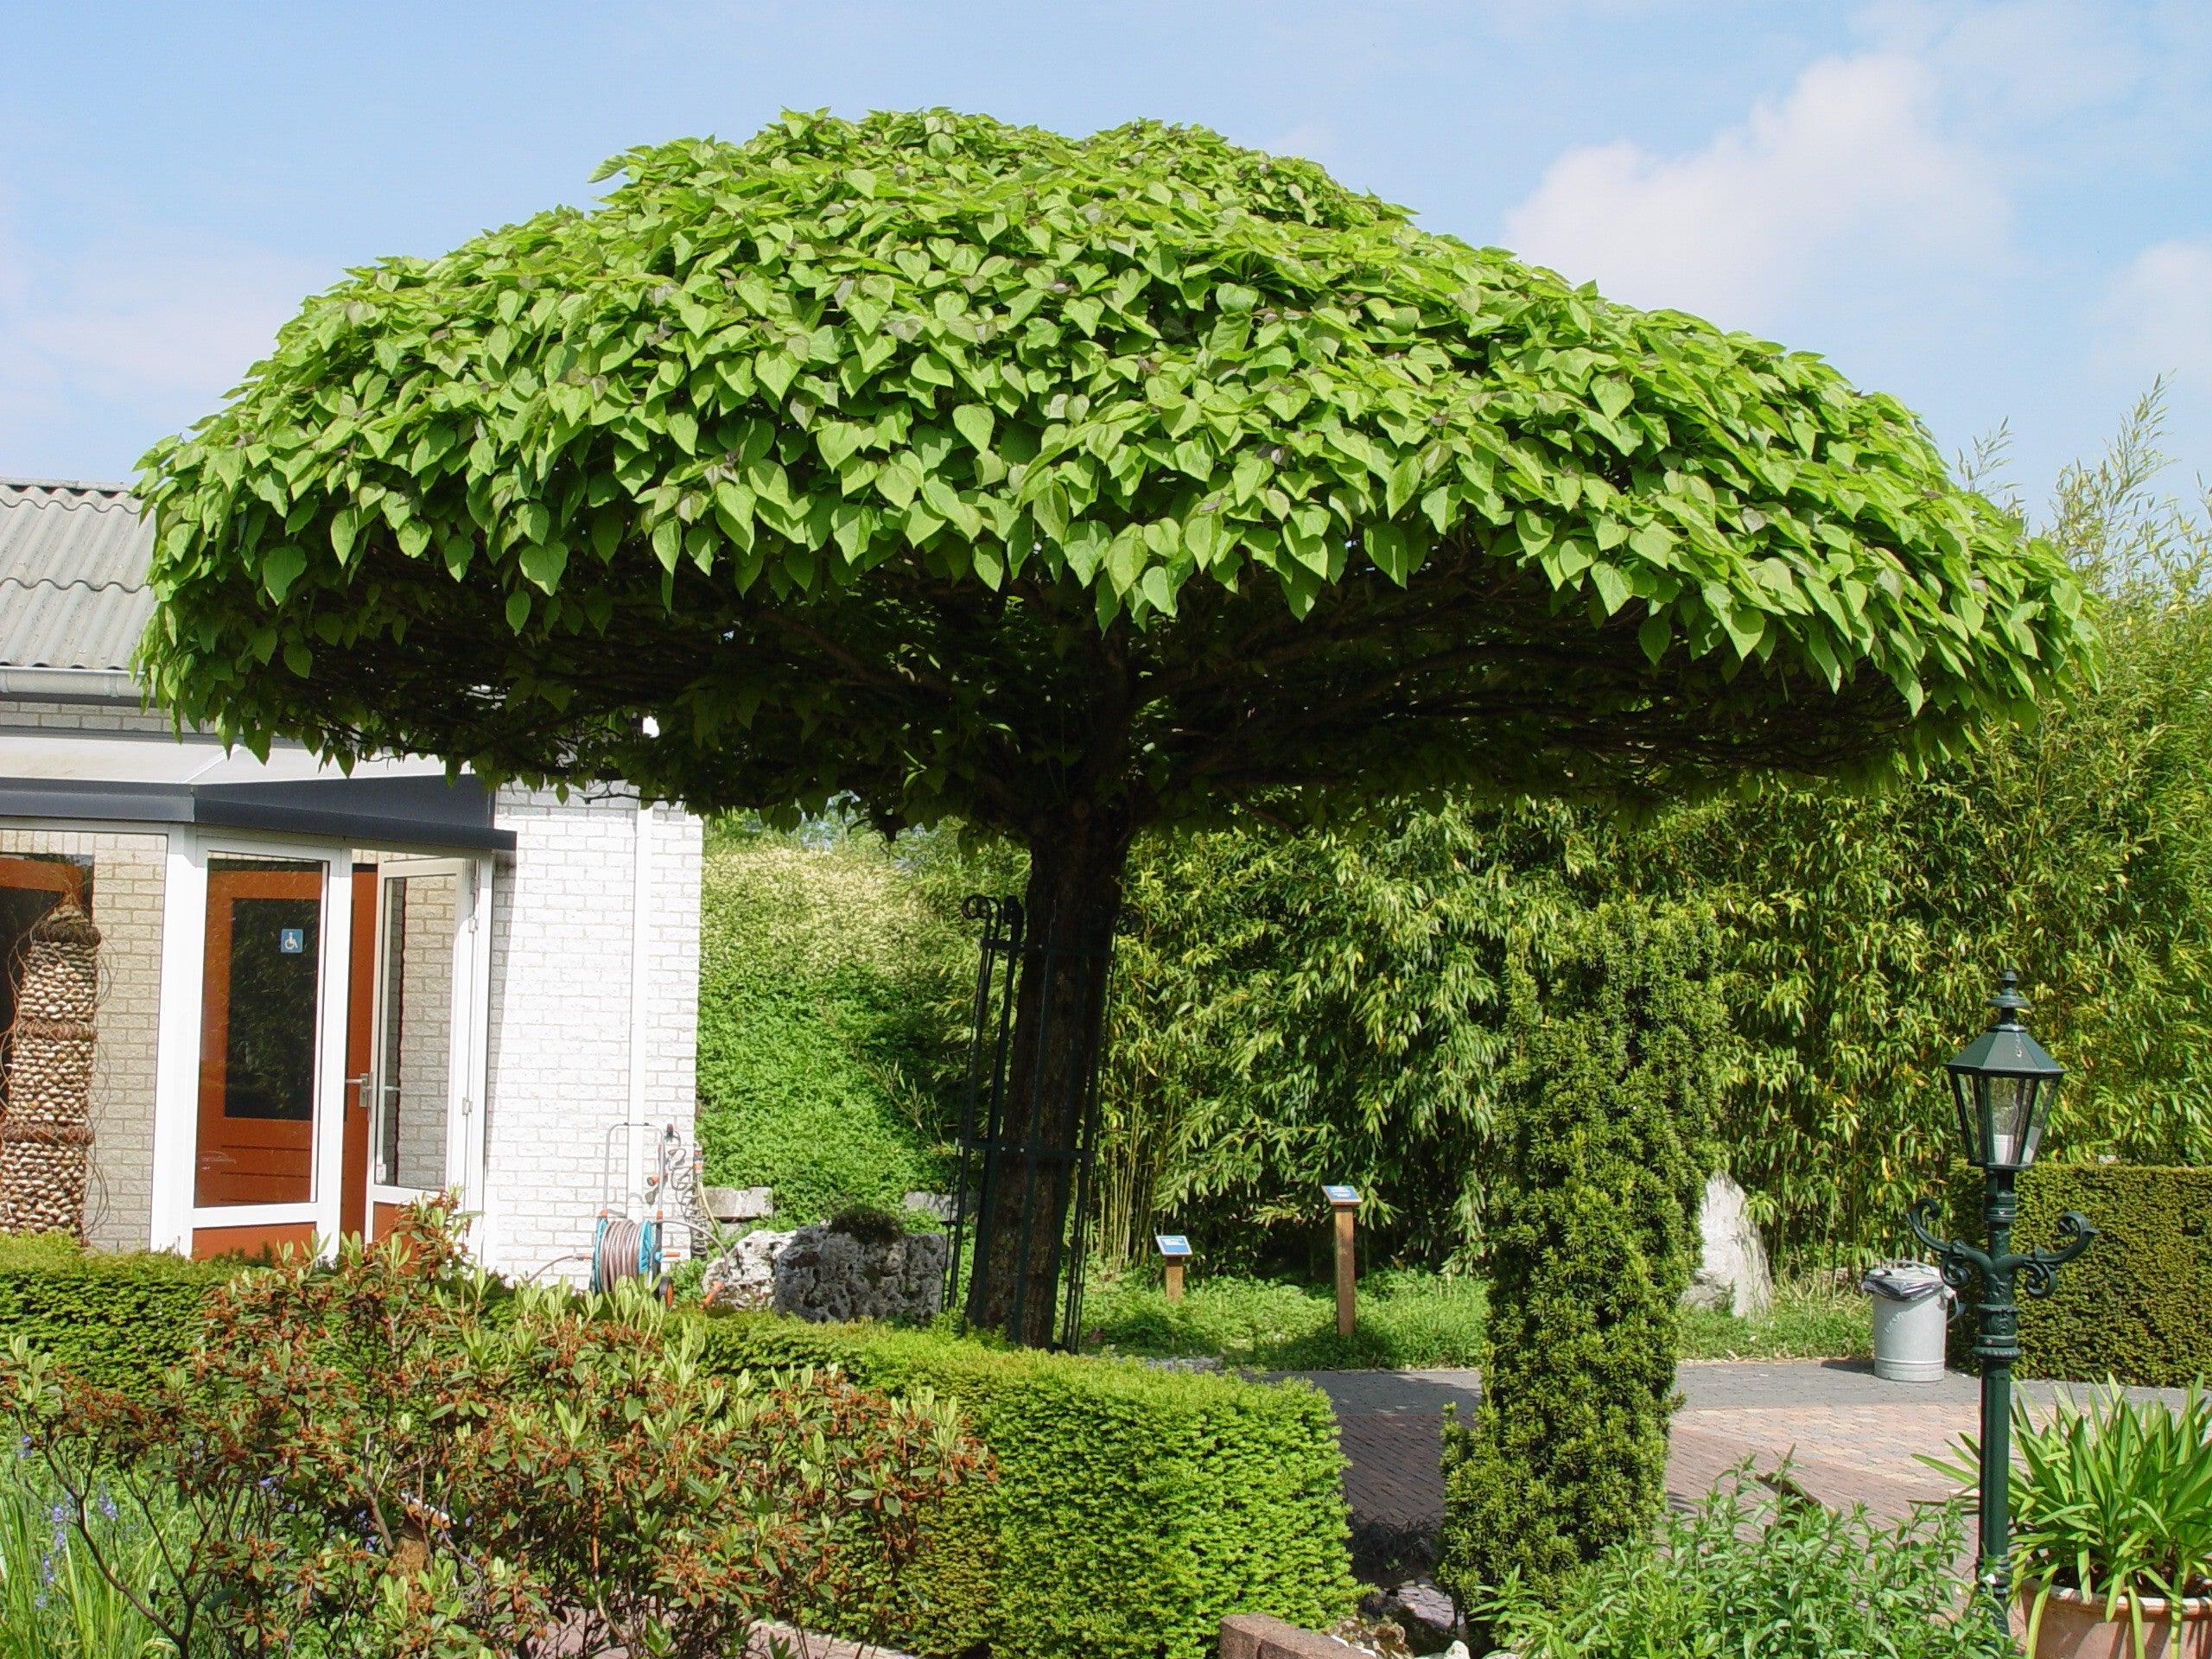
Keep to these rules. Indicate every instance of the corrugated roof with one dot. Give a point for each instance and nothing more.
(72, 574)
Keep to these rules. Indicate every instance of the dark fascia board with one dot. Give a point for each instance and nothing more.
(408, 812)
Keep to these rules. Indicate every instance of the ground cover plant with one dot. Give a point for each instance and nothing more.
(394, 1456)
(1755, 1570)
(1068, 488)
(827, 1037)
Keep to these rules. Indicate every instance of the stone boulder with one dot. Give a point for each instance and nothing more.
(823, 1276)
(1732, 1273)
(745, 1277)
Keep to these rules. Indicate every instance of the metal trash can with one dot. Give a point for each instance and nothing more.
(1912, 1308)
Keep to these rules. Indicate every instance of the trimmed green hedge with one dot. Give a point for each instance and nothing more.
(2137, 1305)
(115, 1319)
(1134, 1507)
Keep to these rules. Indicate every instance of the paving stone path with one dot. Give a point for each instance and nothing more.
(1851, 1437)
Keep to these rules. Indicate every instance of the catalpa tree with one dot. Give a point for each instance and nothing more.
(1064, 488)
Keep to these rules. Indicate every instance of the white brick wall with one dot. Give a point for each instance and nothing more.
(127, 875)
(561, 1017)
(425, 1030)
(25, 715)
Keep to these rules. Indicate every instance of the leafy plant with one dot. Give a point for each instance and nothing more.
(1751, 1571)
(2112, 1500)
(391, 1458)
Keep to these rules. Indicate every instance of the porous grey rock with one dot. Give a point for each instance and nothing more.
(824, 1276)
(1732, 1275)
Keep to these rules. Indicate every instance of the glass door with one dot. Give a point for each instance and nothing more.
(260, 1016)
(421, 908)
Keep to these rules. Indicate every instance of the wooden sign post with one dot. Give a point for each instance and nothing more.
(1343, 1201)
(1175, 1250)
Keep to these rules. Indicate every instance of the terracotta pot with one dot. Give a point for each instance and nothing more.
(2074, 1628)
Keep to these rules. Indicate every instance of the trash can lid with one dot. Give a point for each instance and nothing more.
(1902, 1282)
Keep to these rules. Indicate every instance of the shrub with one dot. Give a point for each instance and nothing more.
(1591, 1234)
(114, 1319)
(824, 975)
(1133, 1508)
(2133, 1304)
(1751, 1572)
(362, 1453)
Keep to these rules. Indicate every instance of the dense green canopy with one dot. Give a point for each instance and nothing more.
(965, 466)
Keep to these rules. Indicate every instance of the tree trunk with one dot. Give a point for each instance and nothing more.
(1076, 864)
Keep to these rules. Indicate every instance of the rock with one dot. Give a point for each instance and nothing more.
(746, 1276)
(1421, 1611)
(741, 1203)
(939, 1204)
(1731, 1273)
(824, 1276)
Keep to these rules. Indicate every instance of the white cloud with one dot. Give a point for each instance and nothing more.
(1847, 177)
(2157, 315)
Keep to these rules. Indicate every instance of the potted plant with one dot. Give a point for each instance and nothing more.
(2111, 1540)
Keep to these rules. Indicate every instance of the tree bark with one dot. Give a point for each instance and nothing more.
(1076, 865)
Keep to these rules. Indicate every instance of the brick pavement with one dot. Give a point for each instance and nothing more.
(1851, 1437)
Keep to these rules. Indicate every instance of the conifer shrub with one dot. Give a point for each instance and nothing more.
(1591, 1233)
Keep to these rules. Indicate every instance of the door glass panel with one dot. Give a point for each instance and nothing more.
(415, 1030)
(260, 995)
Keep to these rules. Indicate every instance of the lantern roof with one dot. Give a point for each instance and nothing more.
(2007, 1049)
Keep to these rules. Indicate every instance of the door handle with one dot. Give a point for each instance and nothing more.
(360, 1087)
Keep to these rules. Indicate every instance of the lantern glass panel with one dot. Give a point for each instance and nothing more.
(1963, 1098)
(2014, 1127)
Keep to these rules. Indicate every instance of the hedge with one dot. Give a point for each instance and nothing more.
(2137, 1305)
(118, 1319)
(1134, 1507)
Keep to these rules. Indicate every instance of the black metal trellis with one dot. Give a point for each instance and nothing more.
(999, 1177)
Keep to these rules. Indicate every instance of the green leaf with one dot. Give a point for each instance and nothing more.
(280, 568)
(1655, 636)
(542, 566)
(974, 423)
(518, 610)
(1611, 584)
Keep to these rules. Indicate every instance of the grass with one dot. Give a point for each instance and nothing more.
(1811, 1318)
(1416, 1321)
(1408, 1321)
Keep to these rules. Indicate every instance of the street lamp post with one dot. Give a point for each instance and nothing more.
(2003, 1084)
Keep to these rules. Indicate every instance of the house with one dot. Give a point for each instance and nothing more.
(322, 995)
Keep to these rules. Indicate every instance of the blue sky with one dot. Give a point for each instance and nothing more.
(1999, 209)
